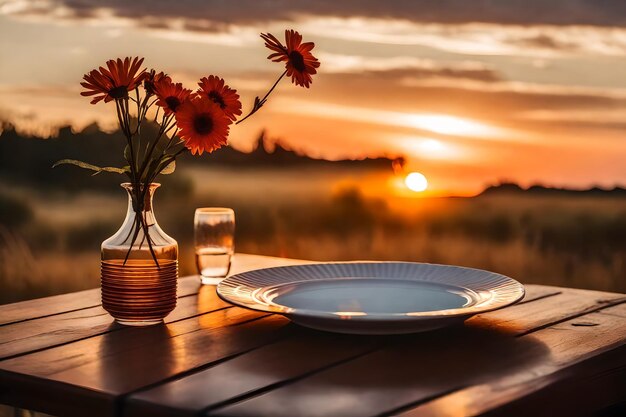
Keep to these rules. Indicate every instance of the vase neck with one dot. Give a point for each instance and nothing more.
(140, 236)
(140, 201)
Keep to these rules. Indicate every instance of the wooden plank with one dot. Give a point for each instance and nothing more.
(32, 335)
(578, 391)
(88, 371)
(568, 388)
(417, 368)
(535, 292)
(64, 303)
(544, 311)
(77, 370)
(37, 334)
(284, 360)
(97, 370)
(171, 356)
(47, 362)
(53, 330)
(43, 307)
(249, 374)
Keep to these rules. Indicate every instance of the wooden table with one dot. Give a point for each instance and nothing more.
(560, 352)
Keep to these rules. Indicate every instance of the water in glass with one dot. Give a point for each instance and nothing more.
(214, 242)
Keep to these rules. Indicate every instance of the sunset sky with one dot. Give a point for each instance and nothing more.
(470, 92)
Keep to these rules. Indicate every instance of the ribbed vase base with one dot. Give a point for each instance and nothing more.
(138, 293)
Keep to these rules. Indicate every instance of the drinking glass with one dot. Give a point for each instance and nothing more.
(214, 235)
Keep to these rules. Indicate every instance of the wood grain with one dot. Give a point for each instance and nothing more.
(43, 307)
(249, 374)
(528, 317)
(287, 359)
(69, 349)
(556, 381)
(28, 335)
(103, 368)
(214, 359)
(64, 303)
(416, 369)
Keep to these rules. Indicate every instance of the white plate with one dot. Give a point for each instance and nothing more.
(372, 297)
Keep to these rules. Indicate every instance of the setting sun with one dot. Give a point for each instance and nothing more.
(416, 182)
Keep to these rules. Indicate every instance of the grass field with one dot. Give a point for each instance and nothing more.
(49, 241)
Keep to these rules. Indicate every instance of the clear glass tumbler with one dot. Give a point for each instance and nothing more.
(214, 235)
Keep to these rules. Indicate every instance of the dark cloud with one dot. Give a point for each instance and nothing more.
(499, 102)
(479, 74)
(544, 41)
(221, 13)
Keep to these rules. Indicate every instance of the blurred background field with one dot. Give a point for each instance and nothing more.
(53, 221)
(469, 94)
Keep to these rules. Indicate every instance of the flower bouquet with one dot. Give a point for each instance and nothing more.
(139, 263)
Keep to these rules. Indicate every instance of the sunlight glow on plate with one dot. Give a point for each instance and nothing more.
(416, 182)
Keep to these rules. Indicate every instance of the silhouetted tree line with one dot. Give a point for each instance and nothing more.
(29, 159)
(513, 188)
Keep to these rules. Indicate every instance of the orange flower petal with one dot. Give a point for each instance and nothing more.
(115, 81)
(300, 63)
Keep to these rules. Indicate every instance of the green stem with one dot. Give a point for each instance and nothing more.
(164, 162)
(164, 126)
(139, 120)
(146, 232)
(132, 242)
(259, 103)
(123, 114)
(122, 121)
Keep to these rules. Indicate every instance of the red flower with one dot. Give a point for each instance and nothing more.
(115, 82)
(203, 125)
(227, 98)
(301, 64)
(170, 96)
(151, 78)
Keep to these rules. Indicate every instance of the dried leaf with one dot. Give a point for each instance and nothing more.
(91, 167)
(127, 154)
(169, 169)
